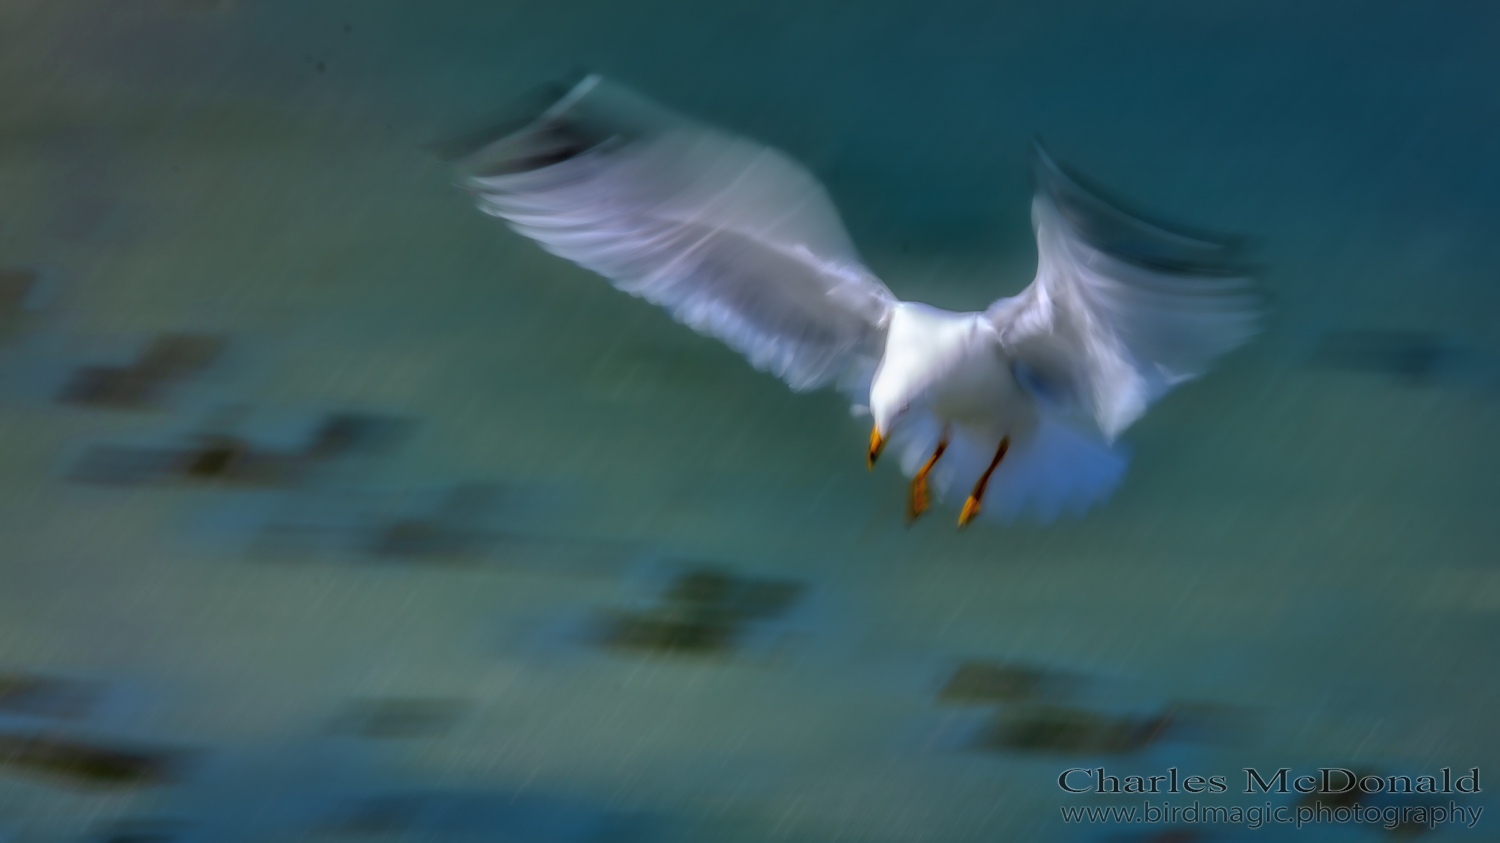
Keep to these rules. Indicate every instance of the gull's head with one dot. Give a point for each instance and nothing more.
(920, 343)
(893, 393)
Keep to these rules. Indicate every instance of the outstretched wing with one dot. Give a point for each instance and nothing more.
(1121, 310)
(733, 238)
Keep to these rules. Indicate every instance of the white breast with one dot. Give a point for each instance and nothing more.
(965, 374)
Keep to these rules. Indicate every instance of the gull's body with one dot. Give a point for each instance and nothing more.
(959, 369)
(741, 243)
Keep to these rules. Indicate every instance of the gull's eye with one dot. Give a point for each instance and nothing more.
(904, 407)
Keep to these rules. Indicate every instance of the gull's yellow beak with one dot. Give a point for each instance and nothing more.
(877, 443)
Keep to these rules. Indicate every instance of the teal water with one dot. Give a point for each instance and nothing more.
(391, 534)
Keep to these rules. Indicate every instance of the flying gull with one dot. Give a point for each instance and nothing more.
(1018, 406)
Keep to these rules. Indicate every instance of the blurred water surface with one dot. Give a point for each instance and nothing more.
(334, 511)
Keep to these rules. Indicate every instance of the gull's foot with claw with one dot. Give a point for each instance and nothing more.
(971, 506)
(917, 499)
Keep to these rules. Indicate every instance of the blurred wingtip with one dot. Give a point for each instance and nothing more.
(556, 123)
(463, 143)
(1122, 229)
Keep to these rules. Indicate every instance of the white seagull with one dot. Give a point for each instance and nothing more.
(1024, 399)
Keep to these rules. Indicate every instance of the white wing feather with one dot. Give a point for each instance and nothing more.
(1120, 310)
(733, 238)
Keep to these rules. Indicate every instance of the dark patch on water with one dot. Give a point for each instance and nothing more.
(18, 290)
(26, 294)
(704, 611)
(85, 763)
(166, 360)
(346, 434)
(457, 528)
(235, 459)
(1069, 730)
(1416, 358)
(1060, 729)
(468, 523)
(981, 681)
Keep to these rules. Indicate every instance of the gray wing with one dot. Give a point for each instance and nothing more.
(733, 238)
(1121, 310)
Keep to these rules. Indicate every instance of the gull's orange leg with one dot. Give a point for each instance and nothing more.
(971, 506)
(917, 500)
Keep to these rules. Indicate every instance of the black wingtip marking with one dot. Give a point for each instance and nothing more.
(520, 112)
(1121, 228)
